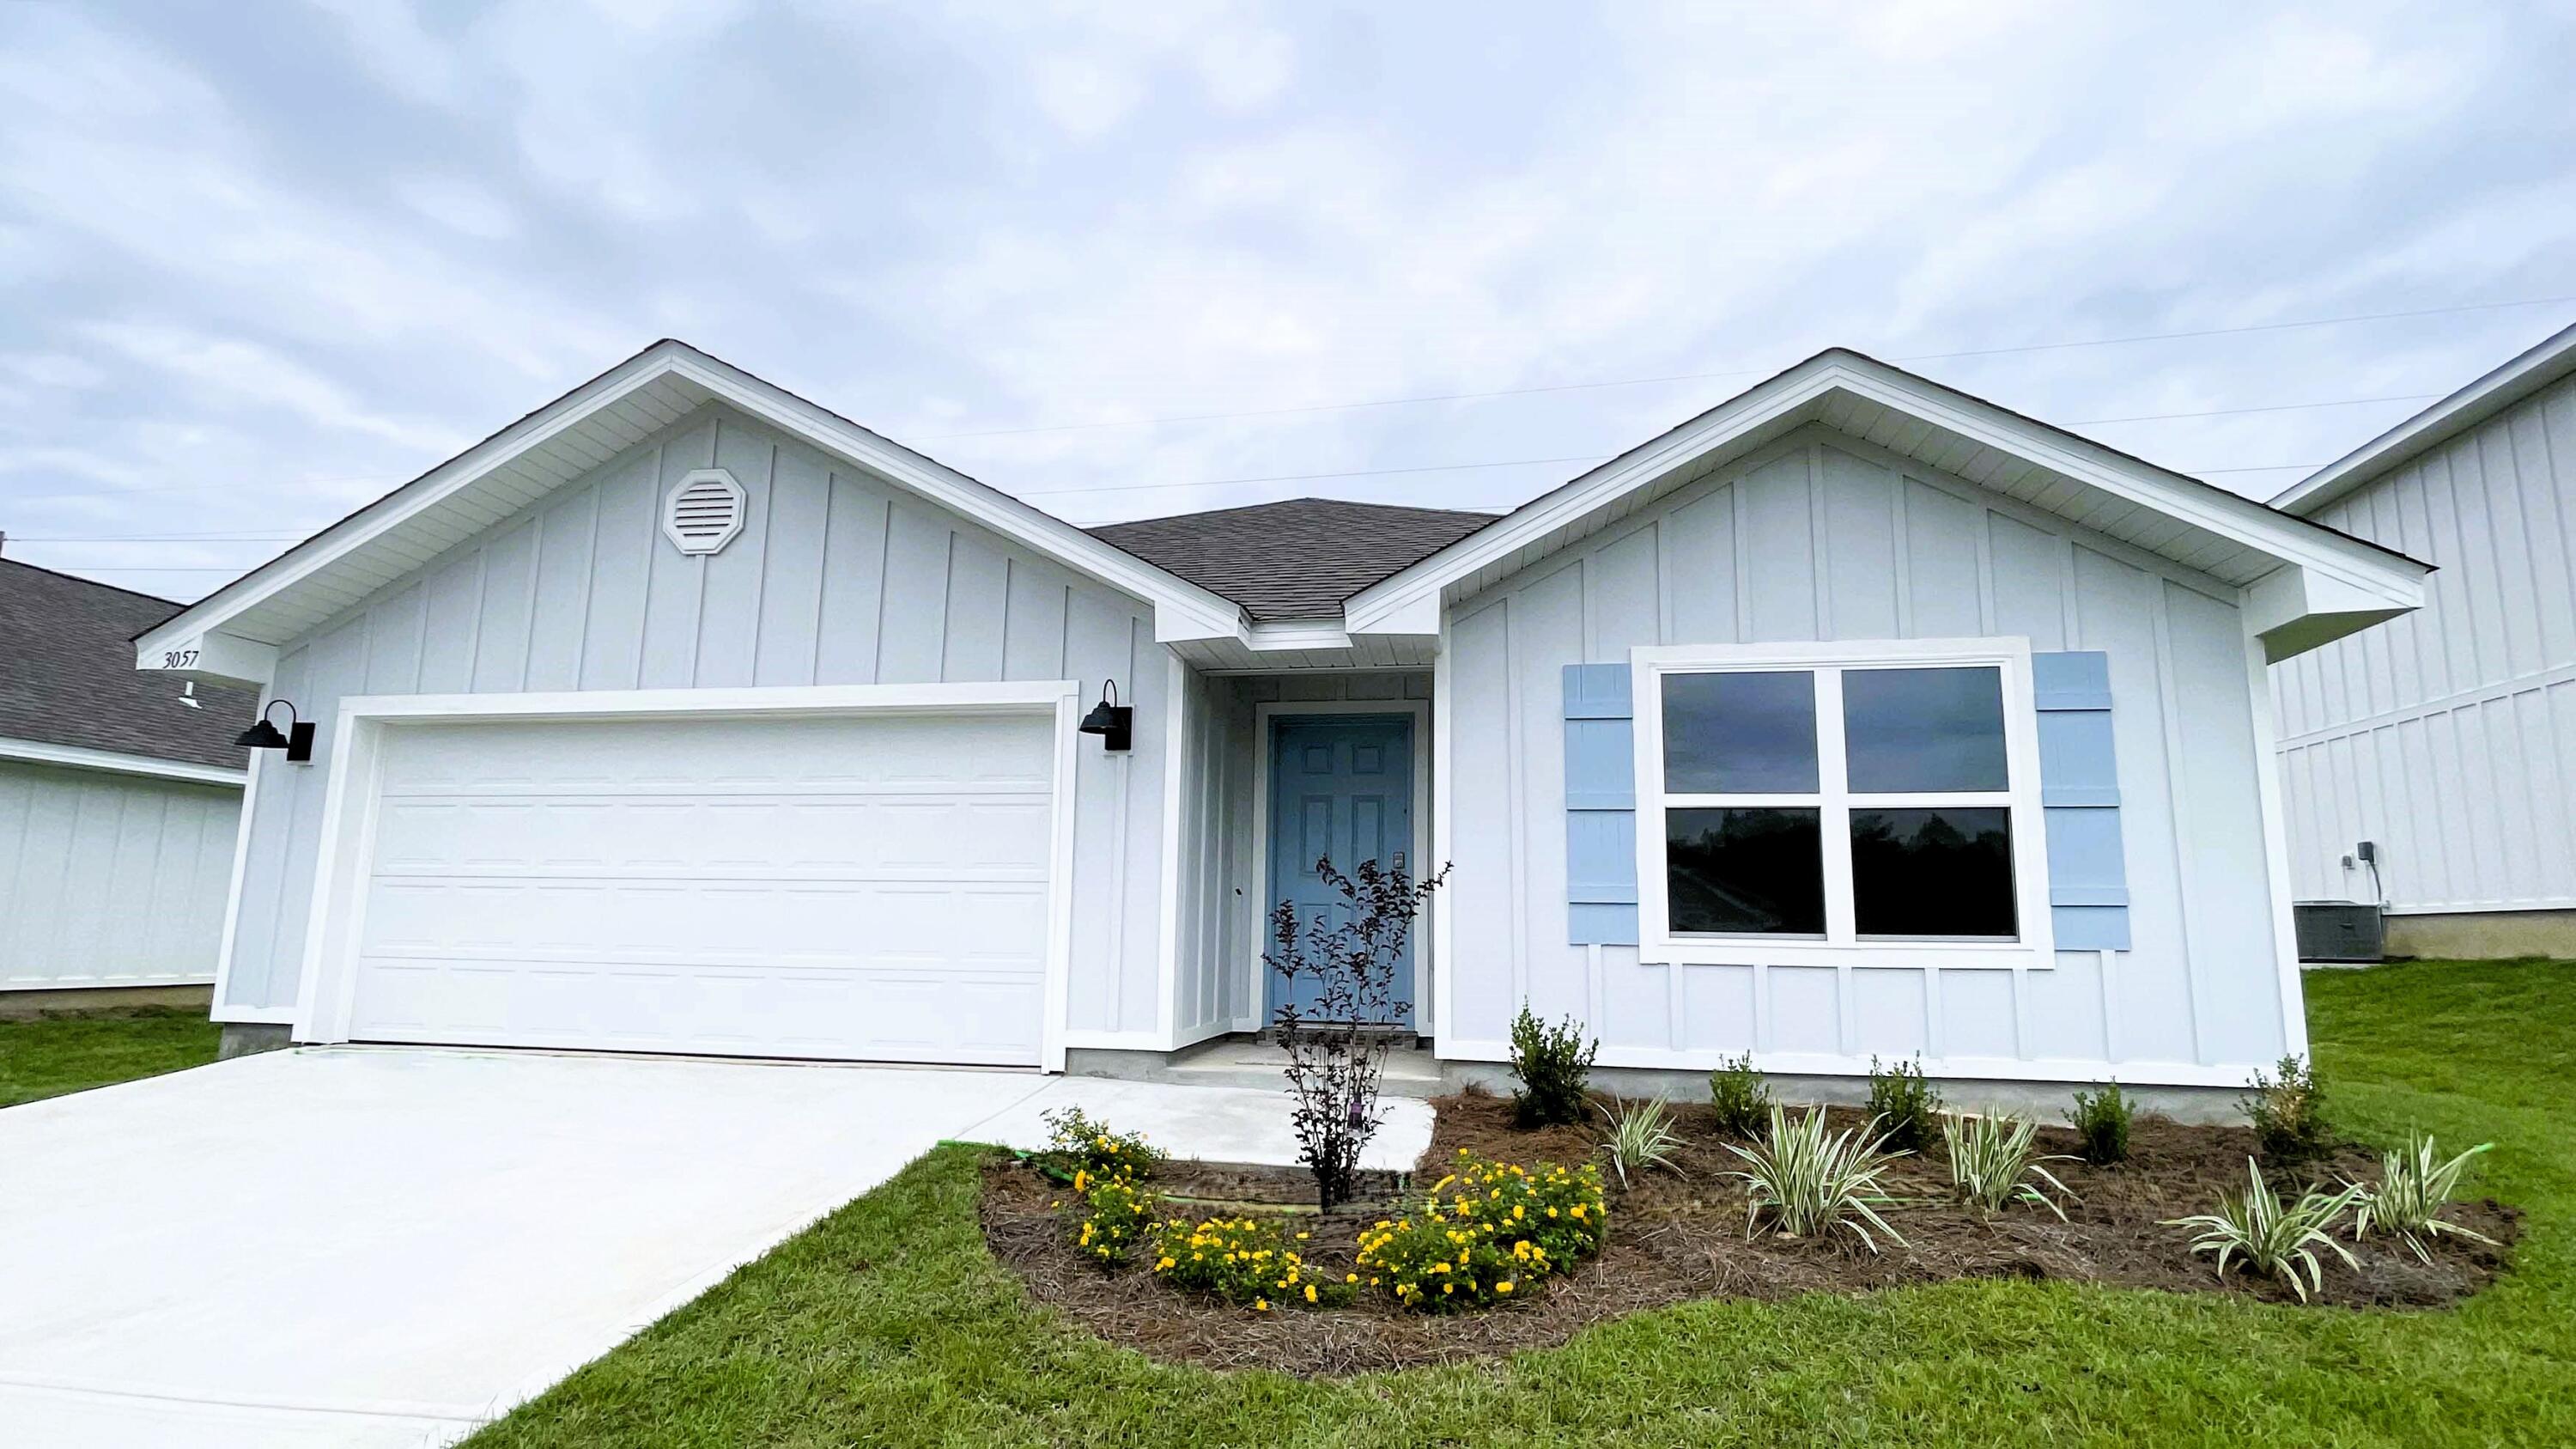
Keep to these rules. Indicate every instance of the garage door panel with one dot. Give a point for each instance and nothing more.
(1000, 837)
(640, 907)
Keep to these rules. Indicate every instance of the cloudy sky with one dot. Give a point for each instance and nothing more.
(265, 262)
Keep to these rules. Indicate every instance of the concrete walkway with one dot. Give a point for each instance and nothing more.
(369, 1247)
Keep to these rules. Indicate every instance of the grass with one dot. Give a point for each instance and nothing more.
(887, 1323)
(50, 1055)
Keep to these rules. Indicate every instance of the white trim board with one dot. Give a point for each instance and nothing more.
(327, 982)
(1262, 716)
(76, 757)
(1820, 1064)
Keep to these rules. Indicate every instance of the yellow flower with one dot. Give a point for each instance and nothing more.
(1350, 1277)
(1504, 1286)
(1310, 1292)
(1448, 1287)
(1260, 1305)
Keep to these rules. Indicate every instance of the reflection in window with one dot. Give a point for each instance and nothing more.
(1935, 872)
(1740, 733)
(1923, 729)
(1747, 871)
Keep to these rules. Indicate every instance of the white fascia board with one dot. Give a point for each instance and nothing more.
(212, 654)
(2290, 539)
(936, 482)
(75, 757)
(1414, 592)
(2527, 373)
(1298, 634)
(2293, 609)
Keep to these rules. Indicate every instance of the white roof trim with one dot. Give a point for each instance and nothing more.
(2293, 541)
(2527, 373)
(1191, 607)
(77, 757)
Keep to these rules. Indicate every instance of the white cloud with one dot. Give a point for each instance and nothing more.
(1022, 213)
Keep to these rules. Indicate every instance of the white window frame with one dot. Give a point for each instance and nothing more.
(1841, 945)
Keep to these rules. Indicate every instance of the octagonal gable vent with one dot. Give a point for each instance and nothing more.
(704, 512)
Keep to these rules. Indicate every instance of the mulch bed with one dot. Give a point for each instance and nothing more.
(1676, 1238)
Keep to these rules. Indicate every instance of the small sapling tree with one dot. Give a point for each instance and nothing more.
(1337, 1043)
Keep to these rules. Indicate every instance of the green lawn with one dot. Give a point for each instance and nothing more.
(51, 1055)
(888, 1324)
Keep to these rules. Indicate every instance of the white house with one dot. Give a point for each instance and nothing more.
(120, 800)
(1852, 716)
(2431, 765)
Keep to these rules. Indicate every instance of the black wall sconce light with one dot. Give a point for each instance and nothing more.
(297, 741)
(1114, 722)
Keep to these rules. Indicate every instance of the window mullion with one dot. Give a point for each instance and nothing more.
(1835, 822)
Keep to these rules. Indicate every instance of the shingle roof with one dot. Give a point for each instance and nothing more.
(1296, 559)
(67, 674)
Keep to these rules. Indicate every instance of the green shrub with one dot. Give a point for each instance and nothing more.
(1553, 1064)
(1741, 1098)
(1114, 1216)
(2102, 1120)
(1641, 1136)
(1245, 1261)
(1810, 1184)
(1081, 1151)
(1904, 1104)
(2413, 1189)
(2275, 1238)
(2288, 1113)
(1483, 1233)
(1994, 1163)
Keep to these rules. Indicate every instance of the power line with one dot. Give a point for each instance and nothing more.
(1586, 459)
(1740, 372)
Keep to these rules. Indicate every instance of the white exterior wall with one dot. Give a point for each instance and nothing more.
(835, 579)
(2448, 736)
(1829, 538)
(111, 879)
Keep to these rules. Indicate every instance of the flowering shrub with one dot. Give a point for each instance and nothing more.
(1083, 1151)
(1242, 1260)
(1485, 1232)
(1115, 1218)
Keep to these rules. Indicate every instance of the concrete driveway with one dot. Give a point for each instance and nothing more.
(388, 1246)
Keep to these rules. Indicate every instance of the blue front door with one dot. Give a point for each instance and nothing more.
(1341, 788)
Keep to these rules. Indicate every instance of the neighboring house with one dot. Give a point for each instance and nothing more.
(1854, 716)
(2431, 765)
(120, 802)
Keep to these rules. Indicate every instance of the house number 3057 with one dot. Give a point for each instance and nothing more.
(178, 658)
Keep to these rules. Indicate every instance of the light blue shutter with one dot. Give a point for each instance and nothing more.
(2079, 790)
(1600, 807)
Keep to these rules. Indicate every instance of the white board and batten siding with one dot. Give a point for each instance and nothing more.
(2448, 736)
(1826, 537)
(835, 579)
(111, 879)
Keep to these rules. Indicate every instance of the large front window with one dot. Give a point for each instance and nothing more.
(1839, 795)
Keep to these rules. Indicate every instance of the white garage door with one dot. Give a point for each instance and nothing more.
(871, 887)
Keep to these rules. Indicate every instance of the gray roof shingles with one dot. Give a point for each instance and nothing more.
(1297, 559)
(67, 675)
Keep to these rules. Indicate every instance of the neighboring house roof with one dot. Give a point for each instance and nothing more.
(67, 675)
(1296, 559)
(2318, 583)
(2528, 373)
